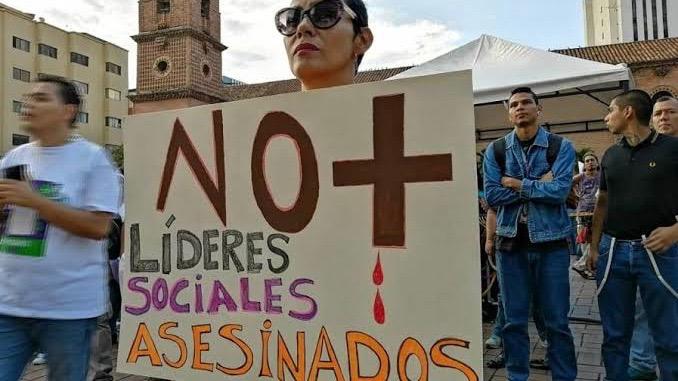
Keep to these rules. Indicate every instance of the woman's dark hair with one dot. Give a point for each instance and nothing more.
(361, 20)
(593, 155)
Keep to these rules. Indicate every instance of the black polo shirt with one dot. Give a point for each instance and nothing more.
(642, 186)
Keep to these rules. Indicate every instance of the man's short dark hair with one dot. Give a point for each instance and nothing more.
(525, 90)
(66, 90)
(639, 101)
(666, 98)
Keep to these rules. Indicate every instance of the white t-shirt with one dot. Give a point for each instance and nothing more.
(46, 272)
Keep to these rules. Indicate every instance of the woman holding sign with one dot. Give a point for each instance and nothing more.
(325, 40)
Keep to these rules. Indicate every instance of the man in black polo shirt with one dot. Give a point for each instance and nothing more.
(635, 233)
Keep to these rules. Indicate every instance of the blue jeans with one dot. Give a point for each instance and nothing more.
(642, 345)
(537, 317)
(66, 342)
(631, 270)
(522, 273)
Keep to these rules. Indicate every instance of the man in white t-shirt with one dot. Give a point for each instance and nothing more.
(57, 198)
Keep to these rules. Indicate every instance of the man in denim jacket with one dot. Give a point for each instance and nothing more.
(529, 194)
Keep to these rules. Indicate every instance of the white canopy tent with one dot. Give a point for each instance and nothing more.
(574, 92)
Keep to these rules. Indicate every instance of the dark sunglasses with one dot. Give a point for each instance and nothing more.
(323, 15)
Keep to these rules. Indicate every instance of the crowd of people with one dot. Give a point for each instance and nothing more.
(626, 236)
(65, 191)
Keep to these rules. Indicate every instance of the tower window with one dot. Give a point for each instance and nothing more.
(162, 66)
(163, 6)
(205, 8)
(206, 70)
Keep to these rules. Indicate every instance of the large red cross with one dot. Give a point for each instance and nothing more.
(390, 170)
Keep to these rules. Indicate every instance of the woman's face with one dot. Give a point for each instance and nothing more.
(315, 54)
(590, 163)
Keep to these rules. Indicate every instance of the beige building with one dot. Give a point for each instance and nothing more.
(30, 48)
(618, 21)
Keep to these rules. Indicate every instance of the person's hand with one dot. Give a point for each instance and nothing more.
(662, 238)
(489, 247)
(17, 193)
(592, 260)
(510, 182)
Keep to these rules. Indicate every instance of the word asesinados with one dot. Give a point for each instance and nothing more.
(325, 359)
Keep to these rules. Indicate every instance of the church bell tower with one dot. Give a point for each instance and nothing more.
(179, 55)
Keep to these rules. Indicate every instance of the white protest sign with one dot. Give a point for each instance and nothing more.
(323, 235)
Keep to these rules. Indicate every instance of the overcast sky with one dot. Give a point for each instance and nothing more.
(407, 32)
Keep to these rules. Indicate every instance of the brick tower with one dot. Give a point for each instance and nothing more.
(179, 55)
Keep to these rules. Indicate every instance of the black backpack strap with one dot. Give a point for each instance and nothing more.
(555, 141)
(499, 147)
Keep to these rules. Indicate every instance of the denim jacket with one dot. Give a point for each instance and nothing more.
(547, 218)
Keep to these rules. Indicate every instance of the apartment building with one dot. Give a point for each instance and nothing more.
(30, 48)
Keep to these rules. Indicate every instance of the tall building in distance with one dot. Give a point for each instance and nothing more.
(178, 56)
(30, 48)
(617, 21)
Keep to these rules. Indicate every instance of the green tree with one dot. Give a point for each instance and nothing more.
(118, 156)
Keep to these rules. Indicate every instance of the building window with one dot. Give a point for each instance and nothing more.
(21, 44)
(113, 122)
(163, 6)
(665, 16)
(21, 75)
(18, 140)
(82, 118)
(47, 50)
(655, 26)
(83, 88)
(113, 94)
(647, 33)
(16, 106)
(113, 68)
(79, 59)
(205, 8)
(162, 66)
(634, 12)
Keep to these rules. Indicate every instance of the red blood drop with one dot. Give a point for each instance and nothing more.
(378, 274)
(379, 310)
